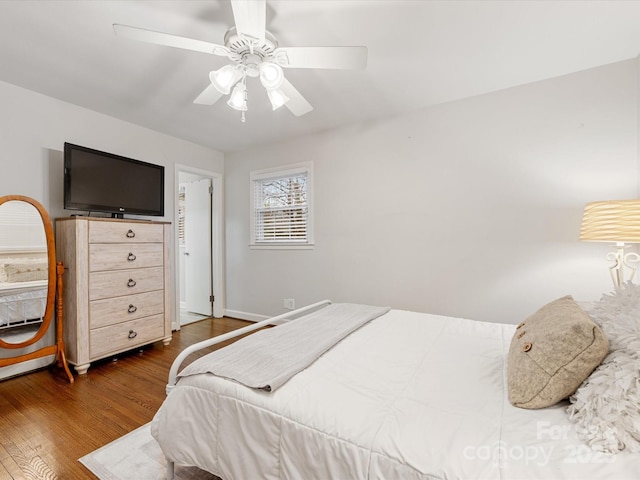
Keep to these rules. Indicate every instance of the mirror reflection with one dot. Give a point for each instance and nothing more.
(23, 271)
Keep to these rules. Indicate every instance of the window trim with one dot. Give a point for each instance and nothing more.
(279, 172)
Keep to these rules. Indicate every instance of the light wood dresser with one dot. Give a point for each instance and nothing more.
(117, 286)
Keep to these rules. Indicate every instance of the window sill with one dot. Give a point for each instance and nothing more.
(282, 246)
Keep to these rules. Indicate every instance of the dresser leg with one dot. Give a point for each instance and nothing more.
(166, 341)
(82, 369)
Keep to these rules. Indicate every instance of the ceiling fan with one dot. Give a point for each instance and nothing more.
(254, 52)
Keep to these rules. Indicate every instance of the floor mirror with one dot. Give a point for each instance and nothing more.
(31, 283)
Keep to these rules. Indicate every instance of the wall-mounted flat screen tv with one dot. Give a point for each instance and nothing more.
(96, 181)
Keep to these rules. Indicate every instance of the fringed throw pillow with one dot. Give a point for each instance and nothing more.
(606, 407)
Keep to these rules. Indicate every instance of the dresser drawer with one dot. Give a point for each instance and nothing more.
(118, 283)
(110, 311)
(124, 336)
(118, 256)
(124, 232)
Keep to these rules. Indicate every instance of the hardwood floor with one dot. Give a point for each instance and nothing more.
(47, 424)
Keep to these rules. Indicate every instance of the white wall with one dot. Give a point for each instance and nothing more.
(469, 209)
(33, 129)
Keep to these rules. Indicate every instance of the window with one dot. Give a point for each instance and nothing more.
(281, 207)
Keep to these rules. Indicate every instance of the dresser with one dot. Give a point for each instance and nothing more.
(117, 286)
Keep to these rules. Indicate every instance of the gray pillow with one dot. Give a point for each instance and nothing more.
(551, 353)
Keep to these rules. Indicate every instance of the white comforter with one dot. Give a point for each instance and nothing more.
(408, 396)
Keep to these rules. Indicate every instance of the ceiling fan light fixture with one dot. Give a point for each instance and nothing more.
(238, 98)
(277, 98)
(224, 78)
(271, 75)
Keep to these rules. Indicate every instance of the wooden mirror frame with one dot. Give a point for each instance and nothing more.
(54, 276)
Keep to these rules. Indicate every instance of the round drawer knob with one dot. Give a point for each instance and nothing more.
(131, 234)
(133, 334)
(131, 283)
(131, 257)
(132, 308)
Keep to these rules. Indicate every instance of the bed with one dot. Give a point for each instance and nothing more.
(405, 395)
(23, 291)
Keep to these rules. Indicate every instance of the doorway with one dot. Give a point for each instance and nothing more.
(199, 241)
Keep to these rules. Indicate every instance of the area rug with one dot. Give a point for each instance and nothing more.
(137, 455)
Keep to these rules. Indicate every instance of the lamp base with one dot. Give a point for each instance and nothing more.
(620, 260)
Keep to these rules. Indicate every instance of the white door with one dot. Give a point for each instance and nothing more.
(198, 251)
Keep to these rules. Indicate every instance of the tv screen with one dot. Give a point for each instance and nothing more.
(97, 181)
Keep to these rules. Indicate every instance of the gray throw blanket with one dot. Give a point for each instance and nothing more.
(268, 358)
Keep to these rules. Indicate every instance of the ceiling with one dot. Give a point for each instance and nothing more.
(421, 53)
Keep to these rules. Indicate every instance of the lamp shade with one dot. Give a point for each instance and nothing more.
(238, 98)
(271, 75)
(611, 221)
(277, 98)
(224, 78)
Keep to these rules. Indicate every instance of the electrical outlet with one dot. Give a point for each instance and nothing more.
(289, 304)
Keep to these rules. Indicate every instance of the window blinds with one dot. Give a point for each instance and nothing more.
(21, 228)
(181, 215)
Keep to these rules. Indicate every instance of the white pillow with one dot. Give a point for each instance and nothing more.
(605, 408)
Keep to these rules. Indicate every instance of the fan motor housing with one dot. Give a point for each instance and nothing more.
(247, 48)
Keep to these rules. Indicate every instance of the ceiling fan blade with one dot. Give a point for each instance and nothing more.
(297, 103)
(250, 17)
(149, 36)
(322, 57)
(209, 96)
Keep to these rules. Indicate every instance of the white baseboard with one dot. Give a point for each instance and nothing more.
(251, 317)
(26, 366)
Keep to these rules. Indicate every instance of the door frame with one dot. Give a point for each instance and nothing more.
(217, 224)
